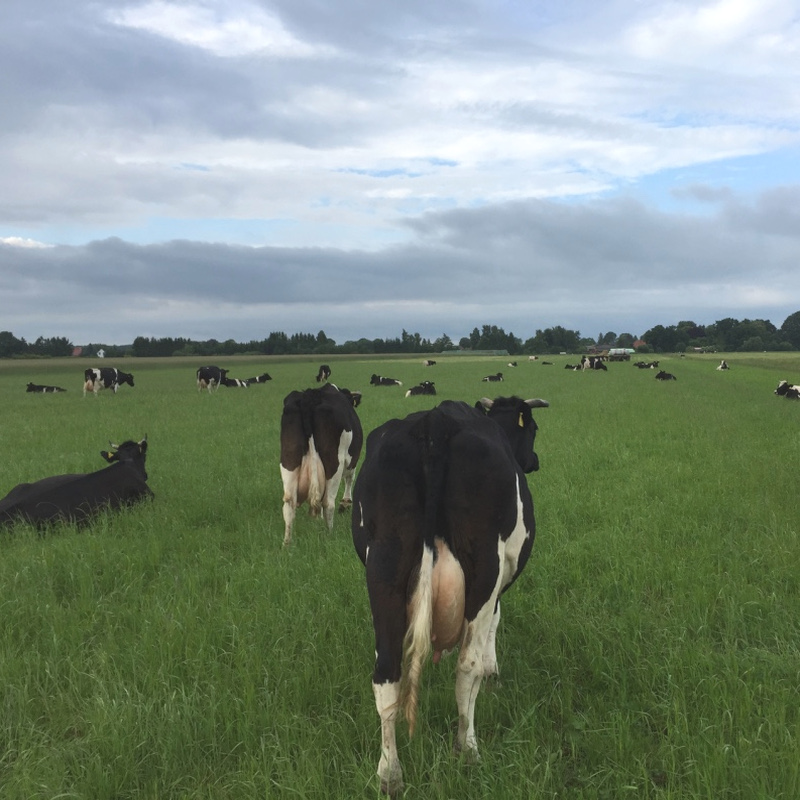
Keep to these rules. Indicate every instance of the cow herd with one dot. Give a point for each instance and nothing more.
(442, 519)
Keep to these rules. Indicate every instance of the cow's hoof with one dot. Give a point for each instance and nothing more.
(345, 505)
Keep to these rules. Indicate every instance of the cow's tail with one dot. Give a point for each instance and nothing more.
(433, 433)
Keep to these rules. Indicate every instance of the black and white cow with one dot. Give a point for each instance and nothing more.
(324, 373)
(259, 379)
(97, 378)
(723, 365)
(78, 497)
(425, 387)
(493, 378)
(443, 522)
(232, 383)
(210, 378)
(35, 387)
(646, 364)
(377, 380)
(428, 363)
(512, 363)
(573, 367)
(321, 440)
(593, 362)
(788, 390)
(665, 376)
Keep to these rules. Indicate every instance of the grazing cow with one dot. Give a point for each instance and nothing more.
(443, 522)
(593, 362)
(210, 378)
(97, 378)
(425, 387)
(723, 365)
(665, 376)
(493, 378)
(324, 373)
(77, 498)
(259, 379)
(234, 382)
(428, 363)
(377, 380)
(321, 441)
(788, 390)
(35, 387)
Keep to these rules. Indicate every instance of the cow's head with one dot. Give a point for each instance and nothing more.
(125, 377)
(514, 416)
(783, 387)
(31, 388)
(130, 452)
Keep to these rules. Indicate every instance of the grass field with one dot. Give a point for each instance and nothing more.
(651, 649)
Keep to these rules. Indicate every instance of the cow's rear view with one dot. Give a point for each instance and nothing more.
(443, 522)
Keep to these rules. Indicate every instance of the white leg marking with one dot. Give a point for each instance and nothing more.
(389, 770)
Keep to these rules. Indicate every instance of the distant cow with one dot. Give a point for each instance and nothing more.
(259, 379)
(324, 373)
(210, 378)
(321, 440)
(235, 382)
(443, 522)
(512, 363)
(425, 387)
(573, 367)
(646, 364)
(97, 378)
(593, 362)
(354, 397)
(35, 387)
(377, 380)
(788, 390)
(723, 365)
(665, 376)
(493, 378)
(77, 498)
(428, 363)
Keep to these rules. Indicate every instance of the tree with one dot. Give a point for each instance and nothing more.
(790, 330)
(10, 345)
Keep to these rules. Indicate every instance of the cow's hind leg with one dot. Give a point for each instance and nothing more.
(290, 479)
(347, 497)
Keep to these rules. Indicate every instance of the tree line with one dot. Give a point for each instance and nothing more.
(727, 335)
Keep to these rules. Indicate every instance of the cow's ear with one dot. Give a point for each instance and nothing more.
(484, 404)
(110, 457)
(143, 445)
(537, 403)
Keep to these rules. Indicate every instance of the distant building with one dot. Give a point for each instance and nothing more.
(101, 353)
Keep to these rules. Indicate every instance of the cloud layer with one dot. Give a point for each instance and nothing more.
(228, 169)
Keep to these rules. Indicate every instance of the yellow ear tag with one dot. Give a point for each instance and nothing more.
(521, 423)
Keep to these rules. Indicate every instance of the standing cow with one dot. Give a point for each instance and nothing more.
(97, 378)
(324, 373)
(321, 440)
(210, 378)
(443, 522)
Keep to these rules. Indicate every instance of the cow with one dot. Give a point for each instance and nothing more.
(723, 365)
(646, 364)
(428, 363)
(512, 363)
(35, 387)
(321, 441)
(665, 376)
(573, 367)
(788, 390)
(324, 373)
(593, 362)
(354, 397)
(443, 522)
(78, 497)
(493, 378)
(235, 383)
(425, 387)
(377, 380)
(97, 378)
(210, 378)
(259, 379)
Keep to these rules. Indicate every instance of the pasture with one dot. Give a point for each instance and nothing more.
(651, 648)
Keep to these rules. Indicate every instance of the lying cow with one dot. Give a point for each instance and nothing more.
(377, 380)
(76, 498)
(493, 378)
(443, 523)
(665, 376)
(259, 379)
(426, 387)
(321, 440)
(324, 373)
(723, 365)
(235, 383)
(35, 387)
(95, 379)
(788, 390)
(428, 363)
(210, 378)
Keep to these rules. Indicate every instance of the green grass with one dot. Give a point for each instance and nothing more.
(651, 649)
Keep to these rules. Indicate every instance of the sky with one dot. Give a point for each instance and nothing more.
(228, 168)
